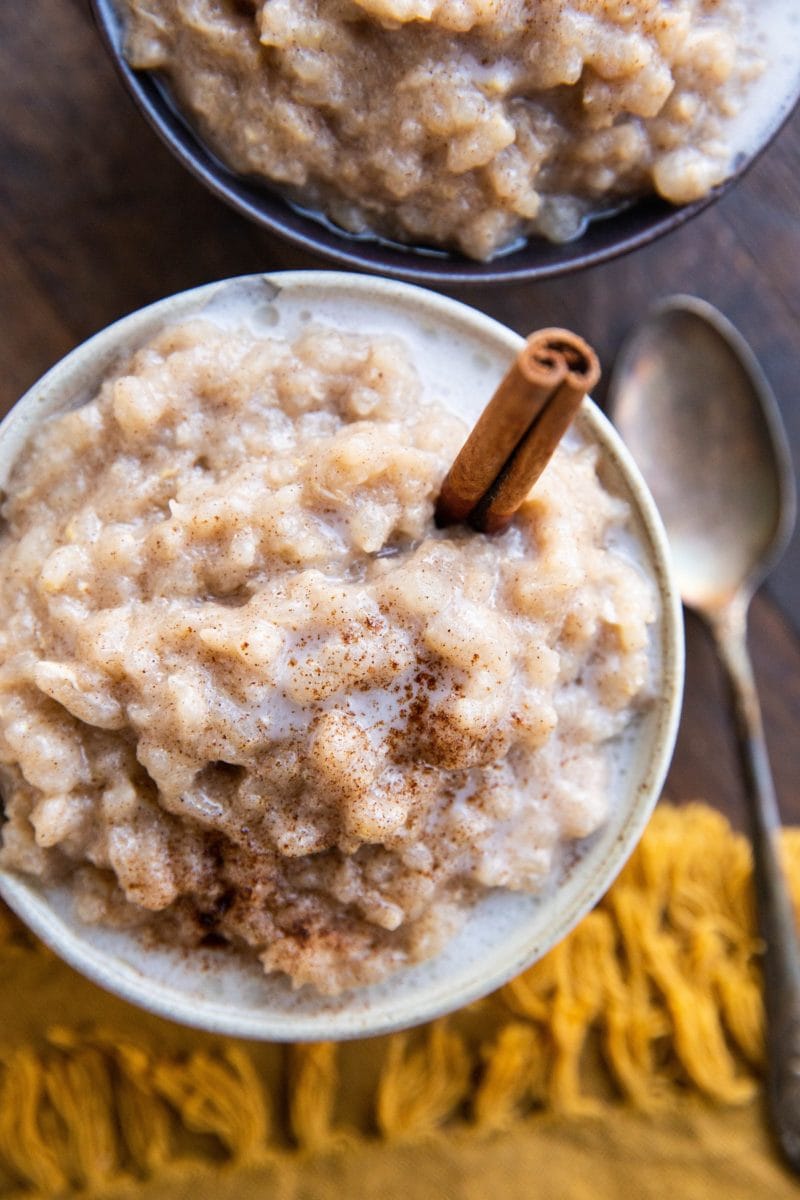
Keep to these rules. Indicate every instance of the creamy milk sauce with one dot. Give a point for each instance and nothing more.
(769, 98)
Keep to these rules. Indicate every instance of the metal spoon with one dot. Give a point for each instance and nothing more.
(700, 419)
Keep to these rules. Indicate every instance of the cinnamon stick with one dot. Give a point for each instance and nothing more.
(518, 431)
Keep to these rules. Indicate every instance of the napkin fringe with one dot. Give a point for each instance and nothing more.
(661, 981)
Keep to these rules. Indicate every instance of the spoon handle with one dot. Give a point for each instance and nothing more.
(776, 922)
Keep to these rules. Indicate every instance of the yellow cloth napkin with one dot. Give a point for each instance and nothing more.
(625, 1063)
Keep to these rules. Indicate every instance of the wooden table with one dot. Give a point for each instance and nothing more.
(96, 219)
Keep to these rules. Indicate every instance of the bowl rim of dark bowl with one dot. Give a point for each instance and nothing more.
(604, 239)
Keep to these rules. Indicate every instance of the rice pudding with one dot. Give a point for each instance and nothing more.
(249, 693)
(459, 123)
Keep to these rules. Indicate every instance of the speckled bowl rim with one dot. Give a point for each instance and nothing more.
(605, 239)
(76, 947)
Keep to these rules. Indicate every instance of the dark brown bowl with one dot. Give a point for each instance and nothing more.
(636, 225)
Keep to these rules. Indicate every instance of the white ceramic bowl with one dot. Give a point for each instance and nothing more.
(461, 354)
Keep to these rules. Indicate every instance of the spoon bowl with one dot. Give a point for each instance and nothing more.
(700, 418)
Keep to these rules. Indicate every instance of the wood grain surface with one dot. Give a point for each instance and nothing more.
(96, 219)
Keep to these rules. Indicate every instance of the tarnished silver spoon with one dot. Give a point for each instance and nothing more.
(699, 417)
